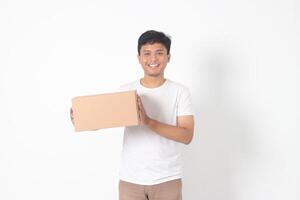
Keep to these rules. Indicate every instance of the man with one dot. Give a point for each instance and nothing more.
(151, 166)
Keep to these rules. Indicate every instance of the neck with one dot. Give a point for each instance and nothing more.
(152, 82)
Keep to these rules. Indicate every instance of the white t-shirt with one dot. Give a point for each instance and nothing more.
(147, 157)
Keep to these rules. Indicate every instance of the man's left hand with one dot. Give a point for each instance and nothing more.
(143, 118)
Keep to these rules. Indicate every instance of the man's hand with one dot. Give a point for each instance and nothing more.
(183, 131)
(71, 115)
(143, 118)
(72, 119)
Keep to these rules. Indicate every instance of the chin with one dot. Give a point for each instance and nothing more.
(153, 75)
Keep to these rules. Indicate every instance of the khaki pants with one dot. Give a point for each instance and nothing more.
(170, 190)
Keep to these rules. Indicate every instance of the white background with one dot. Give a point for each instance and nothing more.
(240, 60)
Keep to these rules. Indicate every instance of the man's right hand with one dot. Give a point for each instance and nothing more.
(71, 115)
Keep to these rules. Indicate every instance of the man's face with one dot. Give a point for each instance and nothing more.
(154, 59)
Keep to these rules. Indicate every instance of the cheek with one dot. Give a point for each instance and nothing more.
(145, 61)
(165, 61)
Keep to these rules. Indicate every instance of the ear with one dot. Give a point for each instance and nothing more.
(139, 58)
(169, 57)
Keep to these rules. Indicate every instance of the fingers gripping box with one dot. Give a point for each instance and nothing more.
(105, 111)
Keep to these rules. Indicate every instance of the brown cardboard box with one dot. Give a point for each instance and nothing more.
(105, 111)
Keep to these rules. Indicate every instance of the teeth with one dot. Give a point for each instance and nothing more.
(153, 65)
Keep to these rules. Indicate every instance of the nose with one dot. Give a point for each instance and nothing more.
(153, 57)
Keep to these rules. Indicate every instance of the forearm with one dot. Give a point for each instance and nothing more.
(175, 133)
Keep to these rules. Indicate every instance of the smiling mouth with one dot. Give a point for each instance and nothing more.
(153, 65)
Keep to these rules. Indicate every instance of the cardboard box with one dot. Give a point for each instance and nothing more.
(105, 111)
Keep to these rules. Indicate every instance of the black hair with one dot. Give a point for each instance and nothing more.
(151, 37)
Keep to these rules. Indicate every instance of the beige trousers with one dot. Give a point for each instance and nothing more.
(171, 190)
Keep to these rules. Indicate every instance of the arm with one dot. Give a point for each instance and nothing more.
(183, 132)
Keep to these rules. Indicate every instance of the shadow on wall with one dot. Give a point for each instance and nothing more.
(215, 161)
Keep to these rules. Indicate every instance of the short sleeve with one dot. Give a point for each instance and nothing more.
(184, 105)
